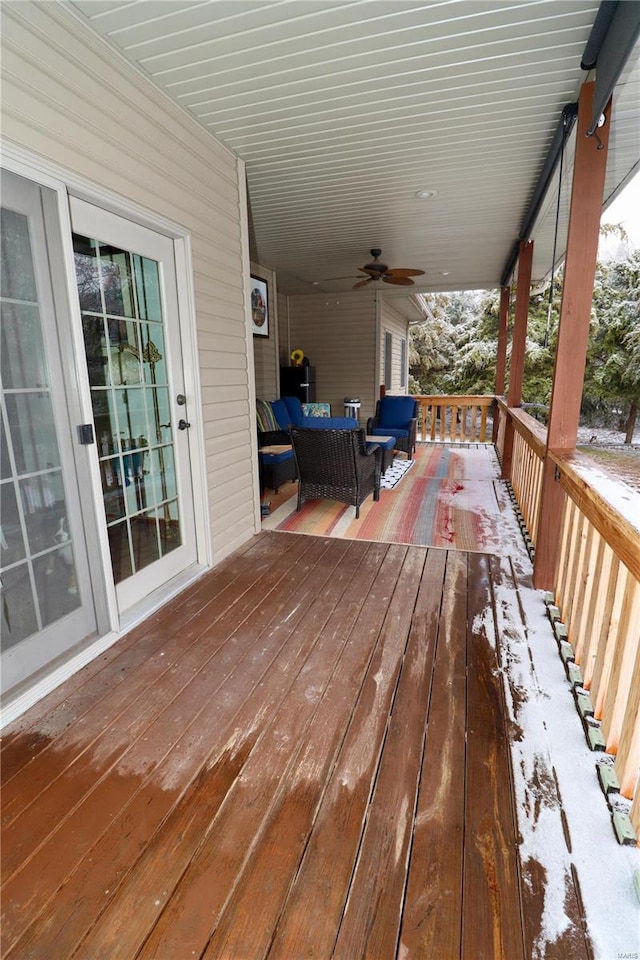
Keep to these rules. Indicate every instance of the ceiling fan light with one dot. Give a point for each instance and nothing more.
(426, 194)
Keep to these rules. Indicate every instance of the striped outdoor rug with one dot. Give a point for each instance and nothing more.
(452, 497)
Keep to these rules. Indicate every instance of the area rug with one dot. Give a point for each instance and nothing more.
(394, 474)
(452, 497)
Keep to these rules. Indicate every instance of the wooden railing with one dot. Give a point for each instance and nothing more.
(529, 445)
(453, 419)
(597, 592)
(597, 583)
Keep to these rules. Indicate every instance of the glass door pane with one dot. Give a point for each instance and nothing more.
(39, 555)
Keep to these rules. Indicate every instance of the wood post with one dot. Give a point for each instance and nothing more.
(518, 345)
(573, 332)
(501, 358)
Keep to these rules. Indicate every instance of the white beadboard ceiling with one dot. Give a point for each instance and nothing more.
(344, 109)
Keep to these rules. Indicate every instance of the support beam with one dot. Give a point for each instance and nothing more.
(518, 345)
(501, 358)
(573, 332)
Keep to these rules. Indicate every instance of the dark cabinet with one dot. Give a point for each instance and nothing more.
(298, 382)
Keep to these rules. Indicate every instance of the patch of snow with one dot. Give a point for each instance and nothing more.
(619, 495)
(553, 765)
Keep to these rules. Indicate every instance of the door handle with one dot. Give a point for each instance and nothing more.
(181, 399)
(183, 425)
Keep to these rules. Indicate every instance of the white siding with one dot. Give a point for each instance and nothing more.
(398, 326)
(284, 344)
(265, 349)
(338, 334)
(68, 97)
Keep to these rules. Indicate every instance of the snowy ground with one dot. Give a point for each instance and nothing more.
(609, 451)
(604, 436)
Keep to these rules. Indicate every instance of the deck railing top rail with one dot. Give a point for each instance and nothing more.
(611, 506)
(527, 426)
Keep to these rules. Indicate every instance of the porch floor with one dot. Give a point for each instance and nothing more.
(305, 755)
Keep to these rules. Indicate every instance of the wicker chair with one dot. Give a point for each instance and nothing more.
(335, 465)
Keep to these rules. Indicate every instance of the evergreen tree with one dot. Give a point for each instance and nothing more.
(454, 350)
(612, 376)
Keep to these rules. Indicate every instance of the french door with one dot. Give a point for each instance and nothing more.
(55, 577)
(126, 282)
(47, 603)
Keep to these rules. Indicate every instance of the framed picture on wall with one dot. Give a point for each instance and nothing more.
(259, 307)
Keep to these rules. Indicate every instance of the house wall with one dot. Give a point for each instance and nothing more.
(284, 346)
(68, 97)
(398, 326)
(265, 349)
(338, 334)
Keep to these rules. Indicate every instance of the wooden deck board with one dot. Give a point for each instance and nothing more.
(66, 705)
(492, 917)
(111, 856)
(305, 756)
(431, 923)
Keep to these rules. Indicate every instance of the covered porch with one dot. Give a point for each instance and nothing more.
(324, 748)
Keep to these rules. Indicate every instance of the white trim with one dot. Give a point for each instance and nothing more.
(26, 700)
(251, 375)
(191, 366)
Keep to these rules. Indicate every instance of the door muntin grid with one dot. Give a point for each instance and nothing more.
(38, 568)
(125, 344)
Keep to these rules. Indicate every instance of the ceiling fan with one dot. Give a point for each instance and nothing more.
(399, 276)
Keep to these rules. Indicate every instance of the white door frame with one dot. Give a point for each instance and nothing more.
(64, 182)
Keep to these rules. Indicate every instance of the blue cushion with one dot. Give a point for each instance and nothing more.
(281, 413)
(330, 423)
(276, 457)
(396, 412)
(294, 410)
(389, 432)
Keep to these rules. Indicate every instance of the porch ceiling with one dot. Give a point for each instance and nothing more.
(344, 110)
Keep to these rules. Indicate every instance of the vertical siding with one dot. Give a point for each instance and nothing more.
(265, 349)
(337, 333)
(398, 326)
(68, 97)
(284, 346)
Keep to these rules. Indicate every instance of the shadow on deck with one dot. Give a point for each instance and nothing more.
(304, 755)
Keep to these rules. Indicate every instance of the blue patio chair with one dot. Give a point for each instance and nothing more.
(396, 417)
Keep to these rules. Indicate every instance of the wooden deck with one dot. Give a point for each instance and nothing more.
(304, 756)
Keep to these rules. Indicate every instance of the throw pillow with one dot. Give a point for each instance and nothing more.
(265, 416)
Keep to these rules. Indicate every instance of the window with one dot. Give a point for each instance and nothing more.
(403, 362)
(388, 352)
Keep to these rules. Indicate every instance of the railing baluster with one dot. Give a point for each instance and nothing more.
(622, 664)
(609, 636)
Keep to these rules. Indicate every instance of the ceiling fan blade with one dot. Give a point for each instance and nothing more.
(362, 283)
(398, 281)
(370, 271)
(404, 272)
